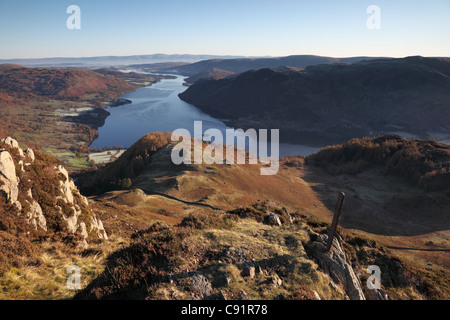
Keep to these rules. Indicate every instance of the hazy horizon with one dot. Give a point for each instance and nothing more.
(211, 55)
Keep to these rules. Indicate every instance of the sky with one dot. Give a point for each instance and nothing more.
(37, 28)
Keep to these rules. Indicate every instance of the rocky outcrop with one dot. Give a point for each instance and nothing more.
(201, 285)
(335, 264)
(13, 144)
(35, 216)
(72, 207)
(97, 226)
(274, 220)
(9, 183)
(30, 154)
(69, 192)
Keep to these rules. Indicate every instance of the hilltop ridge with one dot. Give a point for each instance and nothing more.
(333, 102)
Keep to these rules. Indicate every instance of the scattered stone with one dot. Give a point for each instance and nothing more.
(243, 295)
(18, 205)
(316, 295)
(97, 225)
(274, 220)
(276, 281)
(291, 218)
(222, 280)
(201, 285)
(259, 270)
(30, 154)
(248, 270)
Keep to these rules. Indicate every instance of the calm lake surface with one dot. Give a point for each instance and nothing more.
(158, 108)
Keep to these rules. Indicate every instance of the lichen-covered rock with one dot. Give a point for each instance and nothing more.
(9, 183)
(72, 220)
(30, 154)
(201, 285)
(335, 264)
(13, 144)
(49, 199)
(66, 184)
(35, 216)
(97, 226)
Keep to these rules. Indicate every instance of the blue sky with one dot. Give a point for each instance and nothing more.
(35, 29)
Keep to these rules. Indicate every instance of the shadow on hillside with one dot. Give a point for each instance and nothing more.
(381, 204)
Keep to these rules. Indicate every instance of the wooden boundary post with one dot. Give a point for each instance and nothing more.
(337, 213)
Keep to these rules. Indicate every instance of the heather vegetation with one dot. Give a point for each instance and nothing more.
(293, 161)
(237, 255)
(425, 164)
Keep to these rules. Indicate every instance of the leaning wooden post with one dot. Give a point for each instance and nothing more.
(337, 213)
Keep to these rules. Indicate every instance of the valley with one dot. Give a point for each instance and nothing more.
(60, 111)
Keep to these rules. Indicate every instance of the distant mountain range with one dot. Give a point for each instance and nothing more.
(335, 101)
(219, 68)
(112, 60)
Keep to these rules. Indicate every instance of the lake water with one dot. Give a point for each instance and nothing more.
(158, 108)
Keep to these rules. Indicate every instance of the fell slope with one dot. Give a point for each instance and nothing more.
(59, 83)
(45, 223)
(334, 101)
(203, 196)
(59, 110)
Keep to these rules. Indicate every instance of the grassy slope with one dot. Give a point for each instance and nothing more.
(307, 190)
(172, 194)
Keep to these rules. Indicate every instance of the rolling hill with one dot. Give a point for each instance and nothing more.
(225, 67)
(59, 83)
